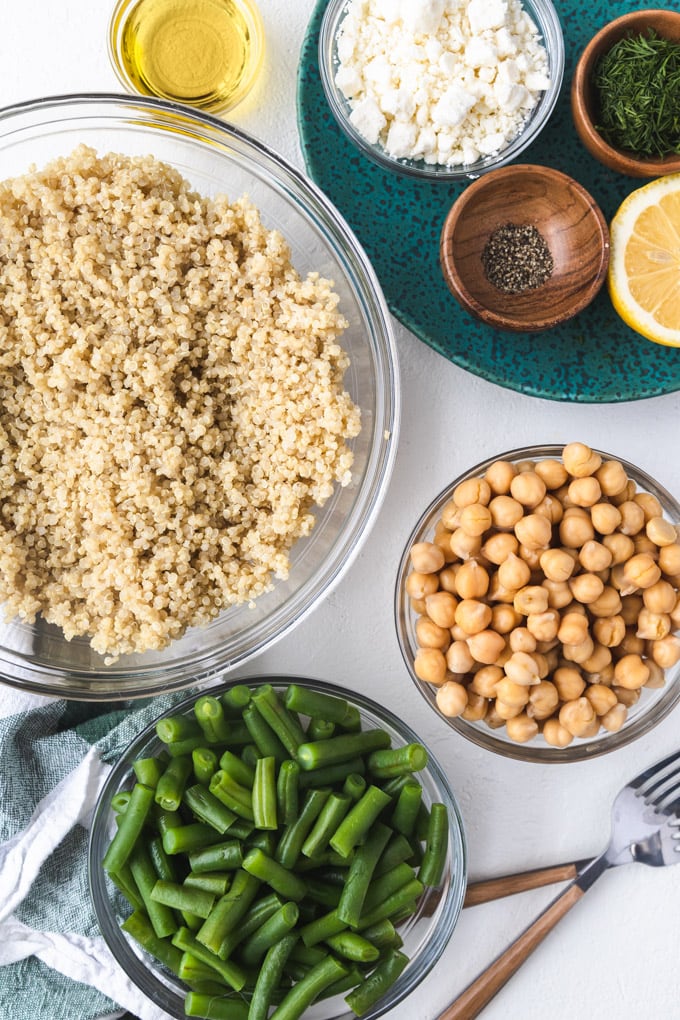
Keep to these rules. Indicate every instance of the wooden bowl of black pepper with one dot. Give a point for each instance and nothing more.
(524, 248)
(625, 94)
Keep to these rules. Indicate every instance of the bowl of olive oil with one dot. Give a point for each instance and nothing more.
(203, 53)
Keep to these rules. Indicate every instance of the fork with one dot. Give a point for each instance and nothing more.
(645, 828)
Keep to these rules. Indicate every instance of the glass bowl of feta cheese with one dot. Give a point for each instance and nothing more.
(446, 89)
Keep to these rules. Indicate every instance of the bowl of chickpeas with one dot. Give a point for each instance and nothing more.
(537, 603)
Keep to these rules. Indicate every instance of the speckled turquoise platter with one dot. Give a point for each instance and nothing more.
(594, 358)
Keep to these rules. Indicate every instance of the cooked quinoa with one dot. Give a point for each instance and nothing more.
(171, 401)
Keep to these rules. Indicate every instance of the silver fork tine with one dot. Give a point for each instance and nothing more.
(639, 783)
(658, 791)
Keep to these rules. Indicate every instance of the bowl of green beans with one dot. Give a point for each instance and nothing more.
(277, 848)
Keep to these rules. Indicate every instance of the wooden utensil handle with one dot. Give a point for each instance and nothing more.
(507, 885)
(482, 990)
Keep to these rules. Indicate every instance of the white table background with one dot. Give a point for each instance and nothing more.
(616, 954)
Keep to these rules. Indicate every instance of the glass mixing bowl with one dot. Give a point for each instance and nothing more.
(425, 933)
(216, 158)
(654, 702)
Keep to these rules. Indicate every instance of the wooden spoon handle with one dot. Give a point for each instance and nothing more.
(507, 885)
(482, 990)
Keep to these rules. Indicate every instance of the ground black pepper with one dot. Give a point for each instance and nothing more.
(516, 258)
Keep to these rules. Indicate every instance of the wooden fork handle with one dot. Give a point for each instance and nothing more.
(495, 888)
(482, 990)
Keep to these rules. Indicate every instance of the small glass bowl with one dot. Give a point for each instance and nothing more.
(425, 934)
(218, 158)
(544, 16)
(653, 704)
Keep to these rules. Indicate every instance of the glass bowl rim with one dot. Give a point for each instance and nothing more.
(452, 897)
(590, 748)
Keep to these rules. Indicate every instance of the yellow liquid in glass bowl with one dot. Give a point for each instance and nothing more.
(205, 53)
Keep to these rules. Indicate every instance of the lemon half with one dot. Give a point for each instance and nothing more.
(644, 265)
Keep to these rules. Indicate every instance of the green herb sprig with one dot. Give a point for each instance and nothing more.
(638, 81)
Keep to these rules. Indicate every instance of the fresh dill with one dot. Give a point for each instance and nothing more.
(638, 81)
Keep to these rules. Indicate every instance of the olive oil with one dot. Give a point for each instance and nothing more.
(204, 53)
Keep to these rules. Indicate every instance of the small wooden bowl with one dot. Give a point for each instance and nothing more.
(584, 95)
(568, 219)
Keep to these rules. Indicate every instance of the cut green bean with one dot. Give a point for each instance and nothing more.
(174, 728)
(383, 934)
(234, 796)
(234, 975)
(309, 988)
(179, 897)
(265, 840)
(210, 717)
(125, 883)
(361, 874)
(397, 850)
(387, 884)
(249, 755)
(321, 928)
(405, 814)
(352, 946)
(359, 820)
(264, 794)
(120, 801)
(319, 753)
(323, 893)
(361, 999)
(316, 704)
(354, 786)
(263, 736)
(235, 700)
(163, 865)
(208, 808)
(239, 770)
(161, 916)
(283, 723)
(331, 775)
(290, 844)
(211, 1007)
(228, 910)
(149, 770)
(271, 931)
(226, 856)
(139, 927)
(392, 905)
(331, 814)
(204, 762)
(319, 729)
(193, 972)
(170, 786)
(397, 761)
(183, 839)
(256, 915)
(269, 977)
(275, 875)
(164, 820)
(287, 791)
(436, 846)
(131, 824)
(216, 882)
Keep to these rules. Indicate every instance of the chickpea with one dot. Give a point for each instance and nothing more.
(514, 573)
(429, 665)
(499, 476)
(544, 625)
(441, 608)
(608, 603)
(511, 693)
(631, 672)
(666, 651)
(627, 697)
(669, 559)
(632, 644)
(579, 652)
(598, 661)
(605, 517)
(612, 477)
(649, 504)
(555, 734)
(473, 616)
(505, 511)
(451, 699)
(579, 460)
(586, 588)
(631, 607)
(522, 640)
(620, 546)
(592, 730)
(476, 707)
(442, 539)
(464, 546)
(569, 683)
(632, 518)
(584, 491)
(553, 472)
(531, 557)
(641, 571)
(532, 598)
(472, 580)
(660, 597)
(459, 658)
(418, 606)
(504, 619)
(601, 698)
(524, 668)
(625, 495)
(614, 719)
(604, 676)
(652, 626)
(506, 711)
(660, 531)
(430, 635)
(550, 508)
(492, 719)
(471, 490)
(486, 646)
(419, 585)
(528, 488)
(498, 547)
(657, 677)
(475, 519)
(642, 544)
(543, 700)
(485, 681)
(557, 564)
(675, 614)
(447, 578)
(576, 528)
(576, 716)
(497, 593)
(609, 631)
(559, 594)
(594, 556)
(534, 531)
(426, 557)
(521, 728)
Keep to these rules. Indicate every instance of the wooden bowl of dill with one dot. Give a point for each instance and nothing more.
(625, 94)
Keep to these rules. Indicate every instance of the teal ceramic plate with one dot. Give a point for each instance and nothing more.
(594, 358)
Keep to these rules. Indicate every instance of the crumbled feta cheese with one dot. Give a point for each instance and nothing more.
(368, 119)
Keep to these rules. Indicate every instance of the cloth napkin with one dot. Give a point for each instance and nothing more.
(54, 758)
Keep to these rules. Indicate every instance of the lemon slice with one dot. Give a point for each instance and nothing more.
(644, 265)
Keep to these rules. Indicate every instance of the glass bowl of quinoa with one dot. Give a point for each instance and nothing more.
(198, 396)
(441, 90)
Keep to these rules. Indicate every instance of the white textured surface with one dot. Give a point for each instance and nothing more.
(616, 954)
